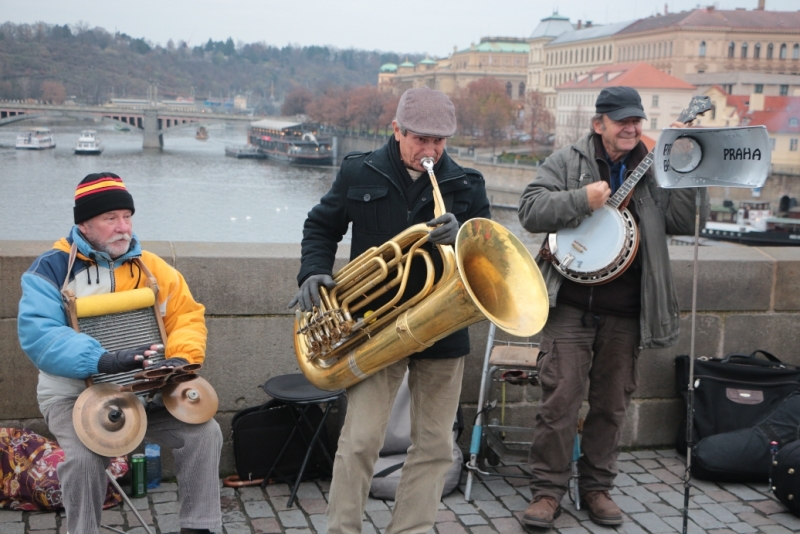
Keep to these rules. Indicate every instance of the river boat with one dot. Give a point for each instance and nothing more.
(243, 152)
(202, 134)
(753, 223)
(290, 142)
(88, 144)
(35, 139)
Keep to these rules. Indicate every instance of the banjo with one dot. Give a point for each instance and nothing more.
(604, 244)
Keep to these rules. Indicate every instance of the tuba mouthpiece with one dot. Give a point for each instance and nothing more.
(427, 163)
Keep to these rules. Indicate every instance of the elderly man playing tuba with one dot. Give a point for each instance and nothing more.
(382, 193)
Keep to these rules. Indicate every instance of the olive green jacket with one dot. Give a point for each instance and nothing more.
(555, 200)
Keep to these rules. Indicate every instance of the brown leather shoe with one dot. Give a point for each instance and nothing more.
(602, 510)
(542, 512)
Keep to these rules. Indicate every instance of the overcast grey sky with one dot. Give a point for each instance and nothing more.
(404, 26)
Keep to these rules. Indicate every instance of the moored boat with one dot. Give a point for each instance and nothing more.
(35, 139)
(241, 152)
(753, 224)
(88, 144)
(290, 142)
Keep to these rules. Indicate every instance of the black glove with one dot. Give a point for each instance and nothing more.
(446, 233)
(308, 296)
(169, 362)
(125, 360)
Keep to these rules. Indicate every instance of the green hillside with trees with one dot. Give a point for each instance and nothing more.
(52, 62)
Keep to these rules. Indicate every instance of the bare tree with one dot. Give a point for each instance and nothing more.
(575, 127)
(539, 119)
(80, 27)
(368, 104)
(495, 110)
(24, 86)
(466, 112)
(296, 101)
(53, 92)
(332, 109)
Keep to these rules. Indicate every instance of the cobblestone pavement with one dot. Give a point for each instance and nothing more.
(649, 491)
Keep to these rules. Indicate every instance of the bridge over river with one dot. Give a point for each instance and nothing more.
(153, 120)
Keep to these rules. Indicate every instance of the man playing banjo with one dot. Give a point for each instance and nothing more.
(594, 333)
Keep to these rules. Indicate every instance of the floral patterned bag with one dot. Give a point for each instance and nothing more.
(28, 476)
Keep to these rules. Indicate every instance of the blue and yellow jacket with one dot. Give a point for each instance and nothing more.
(65, 357)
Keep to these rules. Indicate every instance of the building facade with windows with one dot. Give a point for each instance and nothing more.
(502, 58)
(747, 83)
(663, 99)
(681, 44)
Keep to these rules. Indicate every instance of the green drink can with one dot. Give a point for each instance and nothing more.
(138, 476)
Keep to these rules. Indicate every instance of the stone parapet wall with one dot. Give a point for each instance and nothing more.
(748, 299)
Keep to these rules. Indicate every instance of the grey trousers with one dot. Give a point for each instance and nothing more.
(579, 349)
(435, 387)
(196, 449)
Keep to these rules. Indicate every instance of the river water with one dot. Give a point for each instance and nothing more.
(189, 191)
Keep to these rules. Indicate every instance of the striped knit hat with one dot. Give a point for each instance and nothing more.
(99, 193)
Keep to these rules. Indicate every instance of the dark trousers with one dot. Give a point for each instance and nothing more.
(578, 349)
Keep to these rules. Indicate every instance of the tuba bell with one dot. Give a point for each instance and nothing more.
(490, 275)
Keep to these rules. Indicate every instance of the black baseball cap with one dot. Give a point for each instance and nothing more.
(620, 103)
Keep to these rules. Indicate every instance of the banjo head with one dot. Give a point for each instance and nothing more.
(593, 252)
(594, 244)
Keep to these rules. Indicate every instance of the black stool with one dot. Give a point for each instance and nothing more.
(300, 395)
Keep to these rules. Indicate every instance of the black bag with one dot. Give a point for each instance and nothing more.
(732, 393)
(259, 434)
(786, 477)
(746, 455)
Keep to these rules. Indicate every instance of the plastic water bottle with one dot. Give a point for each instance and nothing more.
(152, 453)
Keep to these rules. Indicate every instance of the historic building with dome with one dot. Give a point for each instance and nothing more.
(754, 53)
(704, 41)
(503, 58)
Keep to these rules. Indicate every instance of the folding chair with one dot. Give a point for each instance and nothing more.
(514, 363)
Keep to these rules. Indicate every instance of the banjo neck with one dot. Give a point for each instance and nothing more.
(698, 105)
(616, 200)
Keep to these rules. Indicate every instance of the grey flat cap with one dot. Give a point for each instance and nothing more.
(424, 111)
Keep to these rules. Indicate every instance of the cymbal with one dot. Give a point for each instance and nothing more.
(108, 421)
(192, 402)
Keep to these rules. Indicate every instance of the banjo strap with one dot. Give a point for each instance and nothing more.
(544, 252)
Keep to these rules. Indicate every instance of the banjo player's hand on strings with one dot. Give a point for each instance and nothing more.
(597, 193)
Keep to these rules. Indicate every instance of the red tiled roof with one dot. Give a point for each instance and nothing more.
(637, 75)
(777, 114)
(776, 21)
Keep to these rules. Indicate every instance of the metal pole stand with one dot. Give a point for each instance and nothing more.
(687, 475)
(129, 503)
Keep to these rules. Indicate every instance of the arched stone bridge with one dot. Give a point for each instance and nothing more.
(152, 120)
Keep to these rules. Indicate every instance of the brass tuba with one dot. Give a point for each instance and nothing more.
(489, 275)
